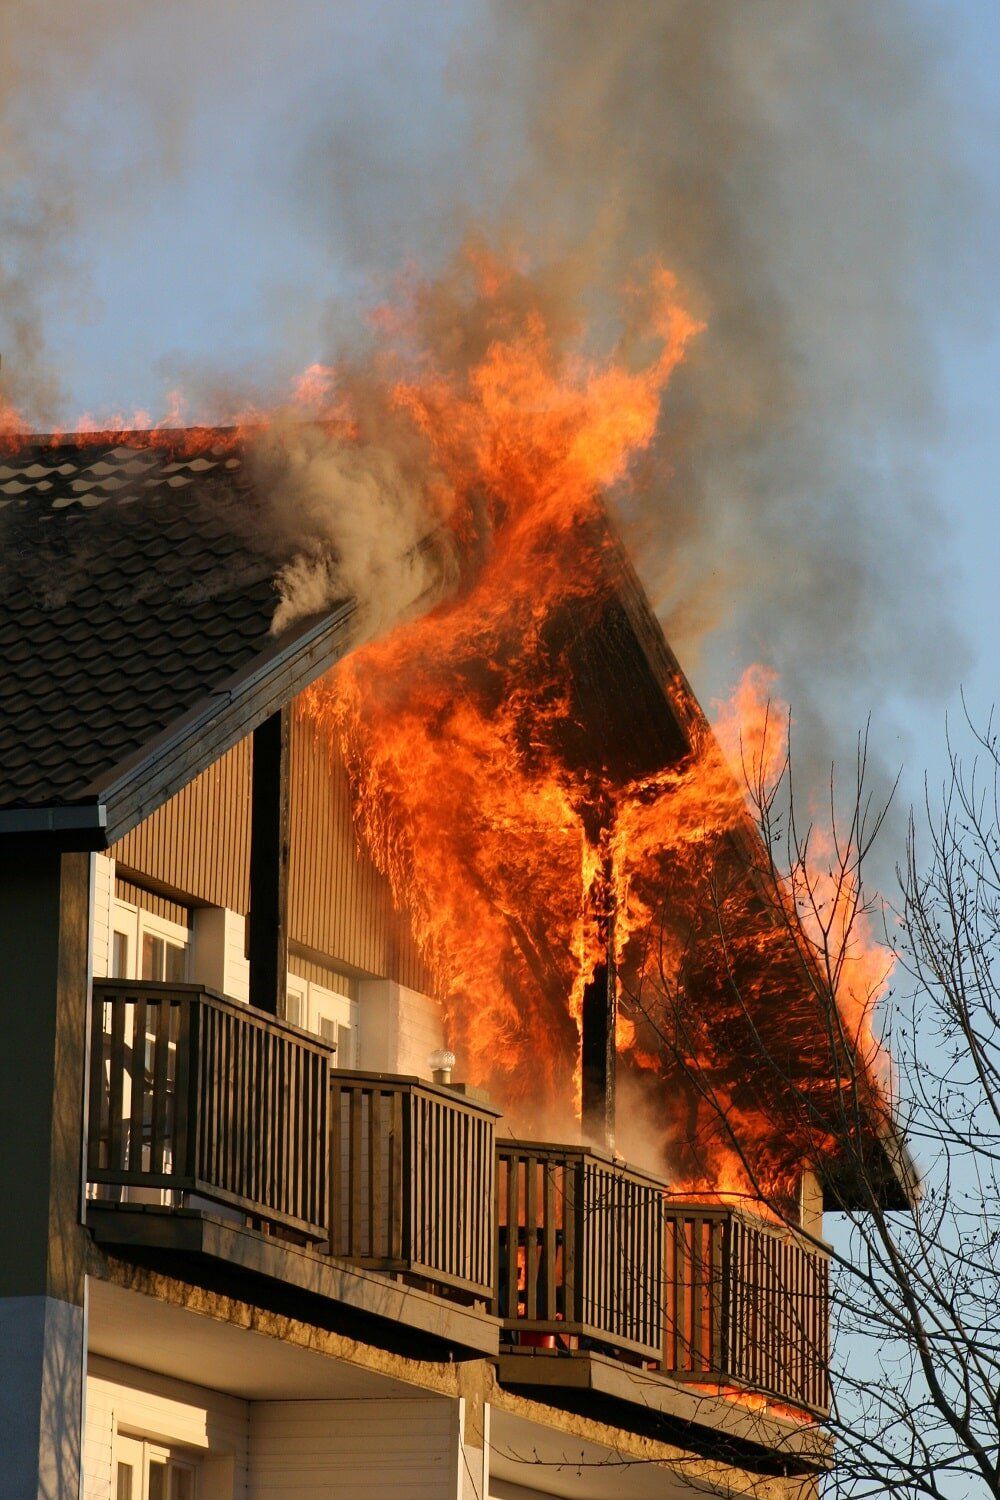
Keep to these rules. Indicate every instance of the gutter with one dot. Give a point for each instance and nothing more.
(91, 817)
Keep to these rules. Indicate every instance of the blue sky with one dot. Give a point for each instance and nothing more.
(203, 246)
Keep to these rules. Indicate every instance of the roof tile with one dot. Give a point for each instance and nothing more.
(136, 589)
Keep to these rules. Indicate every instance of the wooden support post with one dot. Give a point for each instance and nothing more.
(598, 1053)
(269, 800)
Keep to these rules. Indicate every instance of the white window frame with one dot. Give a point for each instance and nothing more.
(135, 922)
(141, 1452)
(311, 1004)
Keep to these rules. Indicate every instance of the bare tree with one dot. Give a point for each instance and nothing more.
(915, 1290)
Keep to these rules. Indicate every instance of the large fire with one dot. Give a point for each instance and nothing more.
(511, 811)
(508, 832)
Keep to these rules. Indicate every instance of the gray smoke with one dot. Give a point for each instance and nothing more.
(65, 161)
(353, 521)
(792, 162)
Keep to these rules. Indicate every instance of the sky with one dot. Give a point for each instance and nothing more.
(206, 230)
(966, 459)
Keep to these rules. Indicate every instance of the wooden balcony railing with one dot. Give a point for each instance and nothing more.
(591, 1253)
(412, 1180)
(746, 1305)
(194, 1094)
(580, 1248)
(198, 1094)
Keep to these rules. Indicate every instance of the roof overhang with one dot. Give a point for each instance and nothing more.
(135, 788)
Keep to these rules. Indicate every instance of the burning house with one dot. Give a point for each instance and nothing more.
(394, 1017)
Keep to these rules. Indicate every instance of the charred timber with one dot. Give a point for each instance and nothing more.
(269, 843)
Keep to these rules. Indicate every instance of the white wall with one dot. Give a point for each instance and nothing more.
(400, 1028)
(104, 892)
(218, 951)
(41, 1392)
(139, 1403)
(357, 1450)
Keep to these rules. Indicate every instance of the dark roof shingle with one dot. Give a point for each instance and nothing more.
(131, 586)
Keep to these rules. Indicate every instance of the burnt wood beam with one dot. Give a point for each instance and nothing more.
(598, 1052)
(269, 823)
(600, 1008)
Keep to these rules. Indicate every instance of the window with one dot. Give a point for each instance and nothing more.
(144, 946)
(149, 1471)
(161, 958)
(329, 1015)
(120, 955)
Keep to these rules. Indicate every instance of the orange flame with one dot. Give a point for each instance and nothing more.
(509, 828)
(460, 731)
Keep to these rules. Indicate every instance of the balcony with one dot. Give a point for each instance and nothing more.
(218, 1133)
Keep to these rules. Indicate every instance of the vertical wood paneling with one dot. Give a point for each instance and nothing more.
(198, 846)
(198, 843)
(160, 906)
(338, 902)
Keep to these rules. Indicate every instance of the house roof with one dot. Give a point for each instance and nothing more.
(136, 600)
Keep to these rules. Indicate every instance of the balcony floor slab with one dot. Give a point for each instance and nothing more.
(594, 1383)
(180, 1240)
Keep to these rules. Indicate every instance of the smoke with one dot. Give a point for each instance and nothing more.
(353, 521)
(792, 162)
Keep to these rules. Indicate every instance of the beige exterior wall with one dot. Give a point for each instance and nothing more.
(356, 1450)
(211, 1427)
(402, 1027)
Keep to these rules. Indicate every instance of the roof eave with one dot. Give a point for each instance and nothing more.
(129, 792)
(887, 1177)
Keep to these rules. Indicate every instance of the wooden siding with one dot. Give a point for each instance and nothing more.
(198, 844)
(322, 974)
(159, 906)
(196, 848)
(338, 903)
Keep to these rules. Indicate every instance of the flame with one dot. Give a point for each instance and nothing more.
(450, 725)
(312, 394)
(506, 842)
(519, 840)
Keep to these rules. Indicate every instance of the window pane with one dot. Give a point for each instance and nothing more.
(157, 1489)
(328, 1030)
(123, 1482)
(119, 957)
(293, 1008)
(152, 961)
(173, 963)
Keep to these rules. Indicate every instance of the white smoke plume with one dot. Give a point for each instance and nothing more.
(355, 521)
